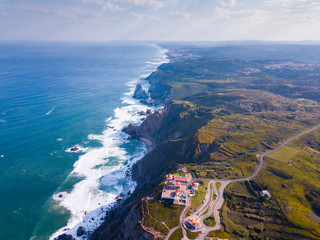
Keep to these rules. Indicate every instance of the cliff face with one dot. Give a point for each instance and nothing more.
(173, 133)
(159, 92)
(195, 150)
(123, 223)
(150, 125)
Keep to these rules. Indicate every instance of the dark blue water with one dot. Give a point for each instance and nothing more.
(52, 96)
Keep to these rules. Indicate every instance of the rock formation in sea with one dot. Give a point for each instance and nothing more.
(139, 93)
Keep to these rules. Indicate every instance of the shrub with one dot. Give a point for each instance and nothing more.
(279, 173)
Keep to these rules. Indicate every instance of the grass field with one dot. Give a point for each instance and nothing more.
(219, 184)
(291, 192)
(200, 195)
(176, 235)
(285, 154)
(295, 190)
(157, 213)
(193, 235)
(219, 234)
(210, 221)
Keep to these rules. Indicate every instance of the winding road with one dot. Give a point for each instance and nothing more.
(214, 205)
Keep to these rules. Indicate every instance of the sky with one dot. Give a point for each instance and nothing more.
(160, 20)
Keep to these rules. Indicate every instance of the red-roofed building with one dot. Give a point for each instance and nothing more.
(182, 180)
(172, 184)
(195, 186)
(181, 193)
(184, 170)
(176, 201)
(175, 188)
(193, 224)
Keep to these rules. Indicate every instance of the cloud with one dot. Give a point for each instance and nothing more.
(154, 4)
(291, 4)
(227, 14)
(160, 19)
(105, 5)
(111, 6)
(122, 5)
(71, 12)
(180, 14)
(136, 15)
(283, 3)
(296, 11)
(229, 3)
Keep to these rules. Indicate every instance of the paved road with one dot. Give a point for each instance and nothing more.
(215, 205)
(214, 208)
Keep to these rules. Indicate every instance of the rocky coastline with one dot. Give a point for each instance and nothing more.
(123, 221)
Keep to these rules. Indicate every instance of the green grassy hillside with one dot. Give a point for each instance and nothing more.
(293, 210)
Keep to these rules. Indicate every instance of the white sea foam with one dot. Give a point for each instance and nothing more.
(108, 119)
(79, 149)
(59, 139)
(3, 121)
(104, 180)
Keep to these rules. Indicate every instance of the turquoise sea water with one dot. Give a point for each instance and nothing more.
(55, 96)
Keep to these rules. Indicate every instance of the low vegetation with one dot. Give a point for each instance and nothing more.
(219, 234)
(285, 154)
(291, 212)
(193, 235)
(159, 214)
(199, 196)
(218, 184)
(176, 235)
(210, 221)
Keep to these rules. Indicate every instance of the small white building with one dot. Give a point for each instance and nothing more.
(192, 193)
(195, 186)
(265, 193)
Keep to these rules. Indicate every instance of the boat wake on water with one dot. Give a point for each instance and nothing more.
(48, 113)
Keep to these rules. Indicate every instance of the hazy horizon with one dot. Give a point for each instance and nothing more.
(159, 20)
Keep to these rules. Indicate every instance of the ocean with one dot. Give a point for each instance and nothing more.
(55, 96)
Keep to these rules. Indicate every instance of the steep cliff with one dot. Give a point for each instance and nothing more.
(123, 223)
(173, 134)
(150, 126)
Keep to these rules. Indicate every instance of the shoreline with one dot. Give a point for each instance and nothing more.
(129, 206)
(148, 142)
(64, 232)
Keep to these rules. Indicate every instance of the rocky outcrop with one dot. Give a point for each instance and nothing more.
(197, 151)
(159, 93)
(193, 149)
(123, 223)
(80, 231)
(144, 113)
(150, 125)
(65, 237)
(139, 93)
